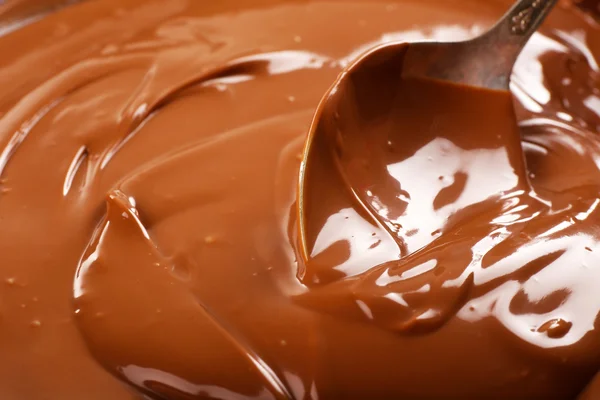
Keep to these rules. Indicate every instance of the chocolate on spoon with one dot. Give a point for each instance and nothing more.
(421, 141)
(374, 82)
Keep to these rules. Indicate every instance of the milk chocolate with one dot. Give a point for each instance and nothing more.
(148, 230)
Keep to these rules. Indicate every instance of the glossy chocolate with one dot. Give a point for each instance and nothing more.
(148, 233)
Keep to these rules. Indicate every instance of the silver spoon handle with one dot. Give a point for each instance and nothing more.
(496, 51)
(515, 28)
(486, 61)
(526, 16)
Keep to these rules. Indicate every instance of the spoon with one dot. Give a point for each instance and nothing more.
(485, 62)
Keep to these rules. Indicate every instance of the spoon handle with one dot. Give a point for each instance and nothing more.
(489, 59)
(515, 28)
(526, 16)
(485, 61)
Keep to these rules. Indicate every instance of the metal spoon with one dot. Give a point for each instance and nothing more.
(485, 61)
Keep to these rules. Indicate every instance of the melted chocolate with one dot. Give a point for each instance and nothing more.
(150, 153)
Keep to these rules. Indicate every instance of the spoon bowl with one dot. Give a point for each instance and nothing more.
(348, 113)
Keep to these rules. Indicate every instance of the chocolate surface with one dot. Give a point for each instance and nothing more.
(148, 232)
